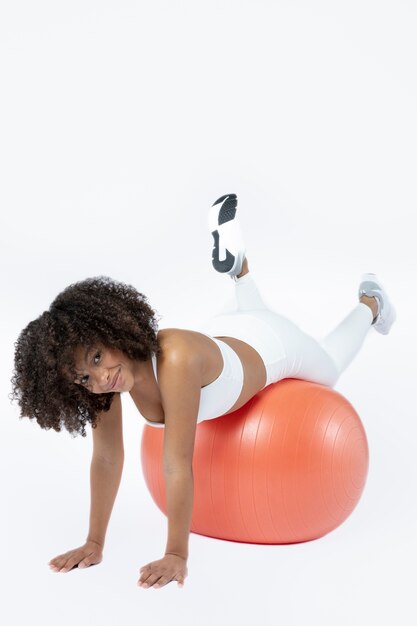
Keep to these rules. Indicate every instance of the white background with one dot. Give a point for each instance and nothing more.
(121, 123)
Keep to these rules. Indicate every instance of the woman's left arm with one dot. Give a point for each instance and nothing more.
(179, 487)
(179, 379)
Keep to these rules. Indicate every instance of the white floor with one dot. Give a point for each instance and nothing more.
(125, 121)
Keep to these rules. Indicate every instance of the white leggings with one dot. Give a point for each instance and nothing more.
(286, 350)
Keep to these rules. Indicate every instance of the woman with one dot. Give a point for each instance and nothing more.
(99, 339)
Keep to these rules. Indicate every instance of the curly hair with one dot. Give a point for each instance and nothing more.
(95, 310)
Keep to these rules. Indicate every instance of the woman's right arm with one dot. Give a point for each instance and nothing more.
(105, 479)
(106, 469)
(105, 475)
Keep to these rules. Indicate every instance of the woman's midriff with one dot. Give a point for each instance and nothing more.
(254, 372)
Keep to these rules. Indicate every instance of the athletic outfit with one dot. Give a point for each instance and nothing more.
(287, 352)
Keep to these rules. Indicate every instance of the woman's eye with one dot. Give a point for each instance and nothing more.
(84, 379)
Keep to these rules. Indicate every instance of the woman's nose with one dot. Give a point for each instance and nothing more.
(103, 378)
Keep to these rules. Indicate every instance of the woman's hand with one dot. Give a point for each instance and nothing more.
(88, 554)
(159, 573)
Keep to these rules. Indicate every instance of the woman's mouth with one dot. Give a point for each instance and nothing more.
(115, 382)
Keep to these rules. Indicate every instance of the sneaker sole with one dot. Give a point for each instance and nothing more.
(225, 212)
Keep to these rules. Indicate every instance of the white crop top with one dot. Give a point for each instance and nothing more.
(220, 395)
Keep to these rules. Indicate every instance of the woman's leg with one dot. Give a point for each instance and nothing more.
(306, 358)
(246, 295)
(324, 361)
(345, 341)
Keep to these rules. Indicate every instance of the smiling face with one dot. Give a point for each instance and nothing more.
(104, 370)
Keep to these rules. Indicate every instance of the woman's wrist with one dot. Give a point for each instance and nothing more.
(99, 543)
(181, 555)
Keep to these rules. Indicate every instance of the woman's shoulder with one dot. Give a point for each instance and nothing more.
(182, 342)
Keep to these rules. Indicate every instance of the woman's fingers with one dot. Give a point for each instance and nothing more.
(63, 564)
(83, 557)
(69, 565)
(159, 573)
(152, 578)
(59, 561)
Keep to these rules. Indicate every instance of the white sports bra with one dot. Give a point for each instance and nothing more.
(220, 395)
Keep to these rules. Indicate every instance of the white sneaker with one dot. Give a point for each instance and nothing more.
(229, 248)
(371, 286)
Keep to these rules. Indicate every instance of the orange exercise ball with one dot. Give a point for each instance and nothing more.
(289, 466)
